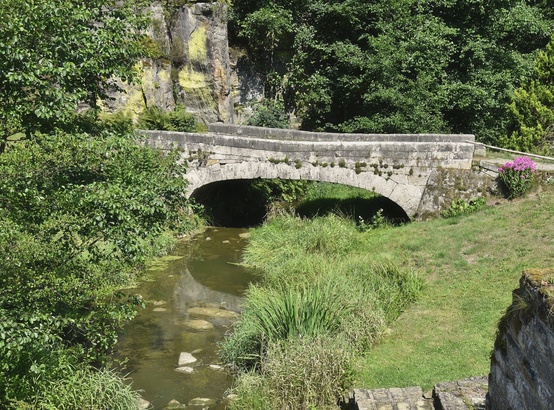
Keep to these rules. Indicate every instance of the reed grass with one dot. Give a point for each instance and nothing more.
(308, 372)
(85, 389)
(299, 373)
(319, 283)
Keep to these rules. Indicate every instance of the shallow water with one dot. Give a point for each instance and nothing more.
(206, 276)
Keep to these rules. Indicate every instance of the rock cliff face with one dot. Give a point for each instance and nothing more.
(191, 64)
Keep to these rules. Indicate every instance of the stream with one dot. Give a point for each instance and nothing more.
(190, 303)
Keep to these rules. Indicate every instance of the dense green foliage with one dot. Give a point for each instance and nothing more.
(532, 110)
(153, 118)
(395, 66)
(320, 291)
(82, 202)
(78, 213)
(270, 114)
(55, 54)
(460, 207)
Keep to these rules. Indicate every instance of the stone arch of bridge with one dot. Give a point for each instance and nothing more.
(406, 196)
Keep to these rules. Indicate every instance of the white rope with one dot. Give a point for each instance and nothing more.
(511, 151)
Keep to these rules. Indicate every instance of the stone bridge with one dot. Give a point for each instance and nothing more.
(422, 173)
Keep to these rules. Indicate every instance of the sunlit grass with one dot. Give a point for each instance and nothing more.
(470, 267)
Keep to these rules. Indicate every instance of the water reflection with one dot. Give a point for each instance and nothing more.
(190, 305)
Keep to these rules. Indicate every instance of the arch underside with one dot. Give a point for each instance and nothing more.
(396, 187)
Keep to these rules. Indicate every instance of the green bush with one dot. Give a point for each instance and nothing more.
(79, 213)
(462, 207)
(269, 114)
(154, 118)
(378, 220)
(531, 112)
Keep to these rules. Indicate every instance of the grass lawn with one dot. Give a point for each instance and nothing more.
(471, 264)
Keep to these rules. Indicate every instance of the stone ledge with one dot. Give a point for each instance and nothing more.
(460, 395)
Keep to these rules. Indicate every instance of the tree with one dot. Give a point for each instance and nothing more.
(55, 54)
(78, 215)
(402, 65)
(531, 128)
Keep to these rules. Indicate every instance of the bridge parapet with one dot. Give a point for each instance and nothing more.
(297, 135)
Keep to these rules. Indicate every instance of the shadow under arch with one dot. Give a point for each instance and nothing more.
(233, 203)
(244, 203)
(355, 208)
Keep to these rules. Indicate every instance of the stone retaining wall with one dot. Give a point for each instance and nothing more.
(522, 364)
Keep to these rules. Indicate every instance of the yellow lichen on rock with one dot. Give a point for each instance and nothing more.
(190, 79)
(197, 85)
(198, 50)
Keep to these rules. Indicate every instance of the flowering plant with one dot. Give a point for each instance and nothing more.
(517, 176)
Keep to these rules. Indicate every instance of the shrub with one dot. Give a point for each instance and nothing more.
(79, 213)
(269, 114)
(462, 207)
(517, 176)
(378, 220)
(154, 118)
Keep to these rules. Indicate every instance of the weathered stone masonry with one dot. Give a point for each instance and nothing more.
(522, 376)
(422, 173)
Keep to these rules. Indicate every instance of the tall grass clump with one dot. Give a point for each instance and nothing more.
(280, 314)
(85, 389)
(251, 393)
(391, 287)
(308, 372)
(322, 300)
(276, 314)
(289, 245)
(300, 373)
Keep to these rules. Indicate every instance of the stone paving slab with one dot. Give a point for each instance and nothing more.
(407, 398)
(463, 394)
(459, 395)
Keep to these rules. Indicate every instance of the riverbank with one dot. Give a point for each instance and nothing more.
(471, 265)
